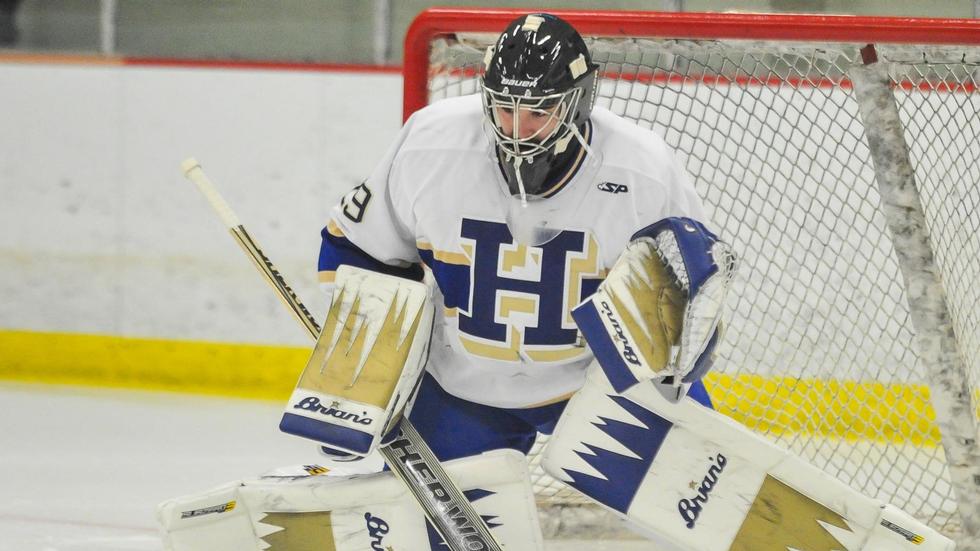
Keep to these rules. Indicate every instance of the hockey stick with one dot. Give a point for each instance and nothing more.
(408, 456)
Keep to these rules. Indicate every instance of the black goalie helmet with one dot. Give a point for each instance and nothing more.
(538, 92)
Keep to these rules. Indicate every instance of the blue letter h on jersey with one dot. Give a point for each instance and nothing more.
(550, 289)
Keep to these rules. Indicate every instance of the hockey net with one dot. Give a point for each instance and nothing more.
(824, 348)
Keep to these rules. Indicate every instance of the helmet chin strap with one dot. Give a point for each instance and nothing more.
(581, 139)
(520, 181)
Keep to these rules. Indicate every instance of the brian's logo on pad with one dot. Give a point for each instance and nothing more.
(313, 404)
(624, 345)
(690, 509)
(377, 528)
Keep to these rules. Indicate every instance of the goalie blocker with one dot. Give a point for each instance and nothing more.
(366, 363)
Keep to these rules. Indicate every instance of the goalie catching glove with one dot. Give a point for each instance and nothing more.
(657, 314)
(367, 362)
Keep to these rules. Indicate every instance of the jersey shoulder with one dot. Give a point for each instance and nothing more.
(626, 146)
(448, 124)
(640, 161)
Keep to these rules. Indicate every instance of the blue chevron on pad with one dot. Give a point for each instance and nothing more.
(624, 474)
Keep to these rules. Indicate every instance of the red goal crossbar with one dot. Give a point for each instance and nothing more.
(435, 22)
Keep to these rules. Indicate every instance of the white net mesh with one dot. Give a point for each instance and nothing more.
(820, 352)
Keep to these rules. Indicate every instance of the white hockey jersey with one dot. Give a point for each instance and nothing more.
(506, 337)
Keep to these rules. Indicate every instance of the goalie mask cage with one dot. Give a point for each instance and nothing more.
(840, 156)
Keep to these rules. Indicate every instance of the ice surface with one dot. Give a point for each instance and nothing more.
(83, 469)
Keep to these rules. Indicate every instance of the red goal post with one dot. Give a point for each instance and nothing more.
(814, 141)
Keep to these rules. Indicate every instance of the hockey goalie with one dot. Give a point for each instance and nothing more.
(571, 286)
(630, 439)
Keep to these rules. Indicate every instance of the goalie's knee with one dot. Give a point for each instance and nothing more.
(697, 479)
(604, 460)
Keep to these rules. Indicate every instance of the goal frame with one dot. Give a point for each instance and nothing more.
(435, 22)
(933, 331)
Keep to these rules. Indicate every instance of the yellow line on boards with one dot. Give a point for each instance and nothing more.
(897, 413)
(239, 370)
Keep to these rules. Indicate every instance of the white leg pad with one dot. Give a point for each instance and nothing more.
(692, 477)
(319, 512)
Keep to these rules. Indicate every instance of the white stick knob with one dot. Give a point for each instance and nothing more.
(193, 172)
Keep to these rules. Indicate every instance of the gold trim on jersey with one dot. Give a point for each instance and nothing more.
(579, 268)
(511, 352)
(326, 276)
(518, 256)
(569, 353)
(522, 305)
(334, 230)
(506, 353)
(554, 400)
(462, 259)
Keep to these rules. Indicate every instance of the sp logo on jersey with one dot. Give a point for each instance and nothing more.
(613, 188)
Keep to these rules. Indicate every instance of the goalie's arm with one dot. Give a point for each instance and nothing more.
(337, 250)
(373, 225)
